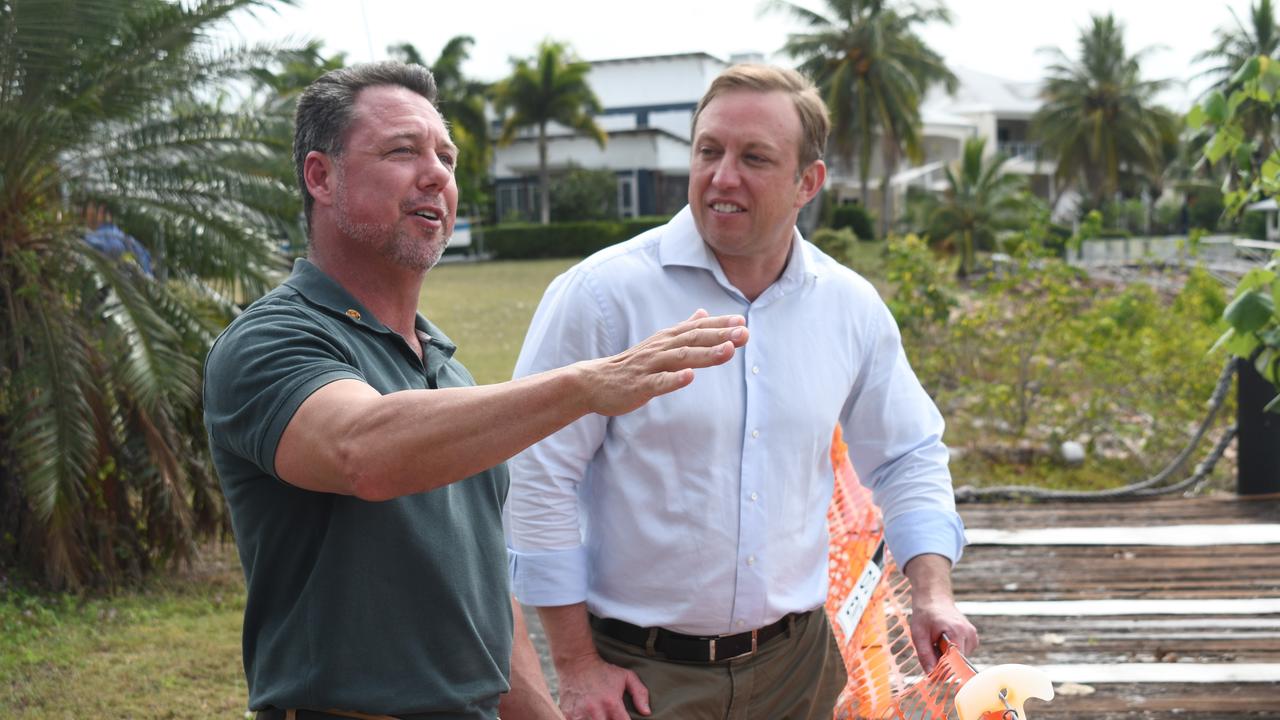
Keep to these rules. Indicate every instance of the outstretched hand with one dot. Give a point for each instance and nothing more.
(662, 363)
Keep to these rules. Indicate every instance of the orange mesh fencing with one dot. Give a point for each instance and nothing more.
(870, 608)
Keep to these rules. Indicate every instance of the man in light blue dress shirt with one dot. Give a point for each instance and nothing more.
(678, 554)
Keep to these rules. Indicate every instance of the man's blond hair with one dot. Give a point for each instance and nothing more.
(814, 123)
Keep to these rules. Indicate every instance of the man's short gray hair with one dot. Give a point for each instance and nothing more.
(327, 108)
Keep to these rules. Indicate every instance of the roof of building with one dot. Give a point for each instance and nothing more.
(981, 92)
(660, 58)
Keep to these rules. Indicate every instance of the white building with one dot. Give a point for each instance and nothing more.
(648, 105)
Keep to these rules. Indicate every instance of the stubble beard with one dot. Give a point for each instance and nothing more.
(394, 243)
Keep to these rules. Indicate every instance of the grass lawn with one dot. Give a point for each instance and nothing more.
(172, 648)
(486, 307)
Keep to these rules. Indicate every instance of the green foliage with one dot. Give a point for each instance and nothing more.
(550, 87)
(839, 244)
(104, 469)
(584, 194)
(980, 200)
(1100, 122)
(1254, 225)
(1205, 208)
(1254, 312)
(922, 298)
(873, 68)
(523, 241)
(856, 218)
(1043, 354)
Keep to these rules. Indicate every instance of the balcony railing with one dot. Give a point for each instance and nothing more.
(1019, 149)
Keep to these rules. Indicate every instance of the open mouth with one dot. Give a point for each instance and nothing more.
(431, 215)
(725, 207)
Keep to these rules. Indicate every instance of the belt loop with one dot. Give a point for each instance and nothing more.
(791, 625)
(651, 642)
(290, 715)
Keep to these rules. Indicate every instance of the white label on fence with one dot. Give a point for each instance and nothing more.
(850, 613)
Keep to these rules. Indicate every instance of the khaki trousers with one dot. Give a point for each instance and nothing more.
(793, 677)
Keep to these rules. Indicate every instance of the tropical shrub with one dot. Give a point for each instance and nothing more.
(855, 217)
(104, 466)
(839, 244)
(584, 194)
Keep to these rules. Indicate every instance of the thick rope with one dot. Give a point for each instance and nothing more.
(1143, 488)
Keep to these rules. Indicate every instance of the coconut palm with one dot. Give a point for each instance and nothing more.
(550, 87)
(104, 468)
(461, 101)
(1100, 121)
(980, 200)
(873, 70)
(1234, 47)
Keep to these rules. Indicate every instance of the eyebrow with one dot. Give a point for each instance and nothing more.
(415, 136)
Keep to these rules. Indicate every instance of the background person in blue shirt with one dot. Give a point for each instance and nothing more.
(363, 471)
(678, 554)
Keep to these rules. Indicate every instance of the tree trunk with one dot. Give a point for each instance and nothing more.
(890, 149)
(544, 177)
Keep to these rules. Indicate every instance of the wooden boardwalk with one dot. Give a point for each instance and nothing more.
(1127, 631)
(1149, 627)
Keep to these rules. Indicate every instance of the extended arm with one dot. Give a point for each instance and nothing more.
(347, 438)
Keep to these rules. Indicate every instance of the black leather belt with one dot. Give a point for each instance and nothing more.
(694, 648)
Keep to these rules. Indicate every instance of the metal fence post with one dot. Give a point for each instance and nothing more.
(1258, 433)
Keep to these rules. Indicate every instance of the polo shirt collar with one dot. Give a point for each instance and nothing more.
(325, 293)
(681, 245)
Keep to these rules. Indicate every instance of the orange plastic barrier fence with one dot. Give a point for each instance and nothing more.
(869, 605)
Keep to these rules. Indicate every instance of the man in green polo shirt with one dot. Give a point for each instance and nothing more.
(363, 469)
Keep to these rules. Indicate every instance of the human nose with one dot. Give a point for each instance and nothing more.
(726, 173)
(434, 173)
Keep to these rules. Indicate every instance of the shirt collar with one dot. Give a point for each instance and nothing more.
(325, 293)
(681, 245)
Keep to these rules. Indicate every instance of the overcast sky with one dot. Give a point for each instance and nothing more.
(1000, 38)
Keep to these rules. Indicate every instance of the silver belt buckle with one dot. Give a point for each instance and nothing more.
(754, 638)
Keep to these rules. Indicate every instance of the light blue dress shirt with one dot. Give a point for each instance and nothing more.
(704, 511)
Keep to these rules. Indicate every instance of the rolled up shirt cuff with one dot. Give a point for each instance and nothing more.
(917, 532)
(549, 578)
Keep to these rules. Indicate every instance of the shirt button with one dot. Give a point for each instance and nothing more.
(755, 369)
(755, 433)
(751, 559)
(754, 497)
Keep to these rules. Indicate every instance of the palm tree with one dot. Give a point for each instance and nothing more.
(461, 101)
(873, 70)
(980, 199)
(550, 87)
(1234, 47)
(1100, 122)
(104, 466)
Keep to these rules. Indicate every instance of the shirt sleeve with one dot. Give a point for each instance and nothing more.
(894, 433)
(547, 560)
(258, 374)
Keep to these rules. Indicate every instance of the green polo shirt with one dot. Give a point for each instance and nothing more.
(397, 607)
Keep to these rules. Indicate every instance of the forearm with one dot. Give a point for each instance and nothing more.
(930, 578)
(529, 698)
(418, 440)
(348, 438)
(569, 634)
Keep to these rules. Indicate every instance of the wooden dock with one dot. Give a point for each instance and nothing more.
(1163, 608)
(1149, 617)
